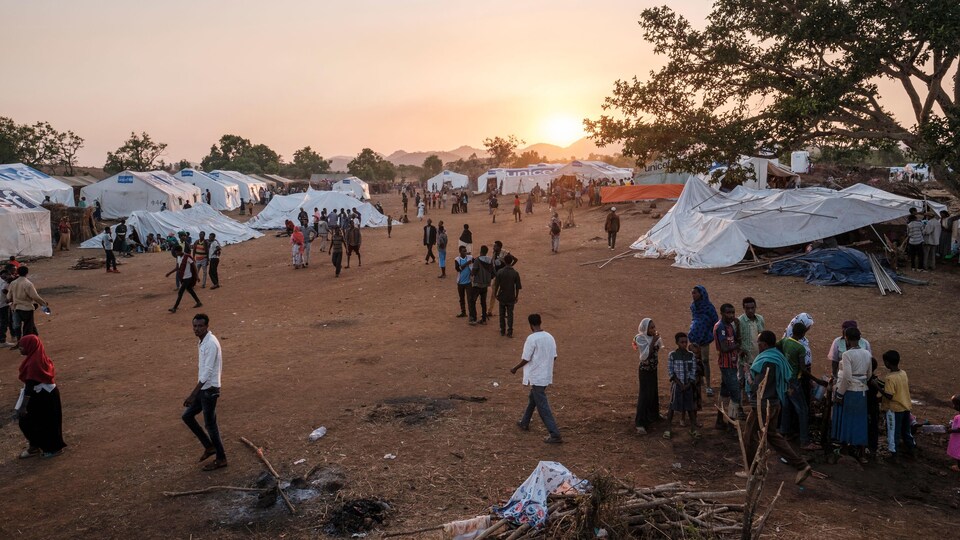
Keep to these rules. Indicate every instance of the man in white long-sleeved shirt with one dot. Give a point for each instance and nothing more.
(205, 394)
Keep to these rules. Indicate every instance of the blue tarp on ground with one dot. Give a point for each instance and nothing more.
(831, 266)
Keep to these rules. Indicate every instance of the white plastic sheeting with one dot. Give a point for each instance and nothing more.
(193, 220)
(284, 207)
(520, 180)
(223, 195)
(249, 187)
(24, 226)
(33, 184)
(710, 229)
(354, 187)
(594, 170)
(456, 181)
(131, 191)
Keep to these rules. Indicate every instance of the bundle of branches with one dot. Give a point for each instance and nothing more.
(89, 263)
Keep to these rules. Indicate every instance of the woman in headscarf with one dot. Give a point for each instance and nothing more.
(850, 397)
(39, 406)
(647, 342)
(807, 321)
(703, 318)
(296, 247)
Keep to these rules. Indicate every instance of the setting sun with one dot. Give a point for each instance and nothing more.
(561, 129)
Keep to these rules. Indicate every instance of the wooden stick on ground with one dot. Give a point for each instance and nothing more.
(765, 263)
(273, 472)
(418, 531)
(493, 529)
(211, 489)
(615, 257)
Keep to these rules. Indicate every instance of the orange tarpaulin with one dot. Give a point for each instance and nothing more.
(640, 193)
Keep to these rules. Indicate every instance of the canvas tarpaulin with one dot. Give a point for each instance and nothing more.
(456, 181)
(640, 193)
(528, 504)
(130, 191)
(223, 195)
(24, 226)
(354, 187)
(519, 180)
(193, 220)
(594, 170)
(831, 266)
(284, 207)
(710, 229)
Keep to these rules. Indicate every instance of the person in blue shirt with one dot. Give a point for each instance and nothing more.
(463, 264)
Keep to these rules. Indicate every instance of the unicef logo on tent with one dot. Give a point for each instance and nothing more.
(125, 179)
(186, 173)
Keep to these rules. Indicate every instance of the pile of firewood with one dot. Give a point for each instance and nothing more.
(88, 263)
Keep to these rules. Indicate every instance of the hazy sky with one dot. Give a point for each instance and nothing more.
(335, 75)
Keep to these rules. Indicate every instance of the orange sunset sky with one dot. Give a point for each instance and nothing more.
(335, 75)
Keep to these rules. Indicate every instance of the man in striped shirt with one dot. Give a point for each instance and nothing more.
(726, 334)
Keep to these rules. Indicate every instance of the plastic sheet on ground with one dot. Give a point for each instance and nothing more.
(528, 504)
(831, 266)
(193, 220)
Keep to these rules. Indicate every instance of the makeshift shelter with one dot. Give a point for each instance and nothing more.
(284, 207)
(594, 170)
(223, 195)
(354, 187)
(24, 226)
(129, 191)
(249, 187)
(769, 173)
(521, 180)
(193, 220)
(710, 229)
(448, 178)
(33, 184)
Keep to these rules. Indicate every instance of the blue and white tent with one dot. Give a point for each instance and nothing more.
(223, 195)
(31, 183)
(129, 191)
(354, 187)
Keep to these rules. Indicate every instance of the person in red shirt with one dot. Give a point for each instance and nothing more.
(64, 229)
(726, 334)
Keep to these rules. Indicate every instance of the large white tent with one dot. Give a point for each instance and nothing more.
(520, 180)
(193, 220)
(249, 187)
(129, 191)
(284, 207)
(223, 195)
(31, 183)
(710, 229)
(594, 170)
(658, 173)
(24, 226)
(354, 187)
(456, 181)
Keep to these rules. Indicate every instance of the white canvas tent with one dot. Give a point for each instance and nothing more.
(249, 187)
(284, 207)
(193, 220)
(223, 195)
(456, 181)
(521, 180)
(354, 187)
(129, 191)
(710, 229)
(594, 170)
(658, 173)
(31, 183)
(24, 226)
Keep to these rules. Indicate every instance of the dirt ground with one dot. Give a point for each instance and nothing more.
(376, 355)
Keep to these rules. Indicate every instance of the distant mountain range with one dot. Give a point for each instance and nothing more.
(578, 150)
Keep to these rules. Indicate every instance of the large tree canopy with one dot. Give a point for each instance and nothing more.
(235, 153)
(371, 167)
(138, 153)
(765, 77)
(38, 145)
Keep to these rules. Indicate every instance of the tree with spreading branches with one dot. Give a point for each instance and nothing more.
(762, 78)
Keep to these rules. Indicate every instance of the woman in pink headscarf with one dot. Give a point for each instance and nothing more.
(296, 247)
(38, 408)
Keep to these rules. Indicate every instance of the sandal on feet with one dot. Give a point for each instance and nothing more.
(695, 434)
(48, 455)
(30, 452)
(207, 454)
(803, 475)
(215, 464)
(641, 430)
(667, 435)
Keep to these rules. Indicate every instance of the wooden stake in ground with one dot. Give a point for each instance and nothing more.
(211, 489)
(273, 472)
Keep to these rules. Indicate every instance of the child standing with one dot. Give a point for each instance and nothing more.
(682, 369)
(953, 447)
(896, 401)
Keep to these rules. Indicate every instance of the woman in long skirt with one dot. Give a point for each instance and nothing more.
(39, 409)
(850, 401)
(647, 342)
(296, 247)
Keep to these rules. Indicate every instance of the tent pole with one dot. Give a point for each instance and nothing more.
(765, 263)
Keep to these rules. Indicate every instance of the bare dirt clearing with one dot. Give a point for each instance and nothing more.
(364, 353)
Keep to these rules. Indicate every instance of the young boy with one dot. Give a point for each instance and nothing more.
(682, 369)
(726, 335)
(896, 401)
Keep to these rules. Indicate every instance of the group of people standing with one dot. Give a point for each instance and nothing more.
(774, 376)
(338, 230)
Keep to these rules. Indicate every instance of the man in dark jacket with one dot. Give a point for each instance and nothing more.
(507, 289)
(429, 239)
(612, 226)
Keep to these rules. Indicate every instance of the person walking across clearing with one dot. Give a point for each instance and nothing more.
(205, 394)
(612, 227)
(186, 275)
(539, 356)
(38, 409)
(555, 228)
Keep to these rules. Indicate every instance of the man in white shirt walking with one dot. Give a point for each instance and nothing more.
(205, 394)
(539, 354)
